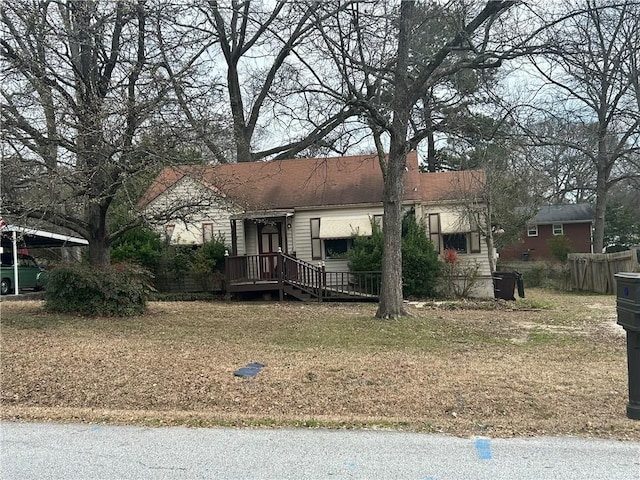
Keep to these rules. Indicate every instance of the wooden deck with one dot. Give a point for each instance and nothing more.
(296, 278)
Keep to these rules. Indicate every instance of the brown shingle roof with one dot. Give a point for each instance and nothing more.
(450, 185)
(308, 182)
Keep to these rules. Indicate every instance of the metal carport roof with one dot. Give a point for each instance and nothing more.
(14, 237)
(32, 238)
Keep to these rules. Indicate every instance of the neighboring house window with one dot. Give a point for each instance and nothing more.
(434, 230)
(337, 247)
(168, 231)
(532, 231)
(316, 242)
(207, 232)
(557, 229)
(455, 241)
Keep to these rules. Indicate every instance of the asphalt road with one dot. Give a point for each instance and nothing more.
(50, 451)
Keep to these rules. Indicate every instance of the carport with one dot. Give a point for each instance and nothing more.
(14, 237)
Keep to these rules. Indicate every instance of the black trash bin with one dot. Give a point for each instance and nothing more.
(504, 284)
(628, 308)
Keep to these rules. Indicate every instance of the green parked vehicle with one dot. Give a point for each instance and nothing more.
(30, 274)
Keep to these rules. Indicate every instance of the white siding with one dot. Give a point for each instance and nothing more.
(240, 233)
(191, 233)
(299, 236)
(251, 237)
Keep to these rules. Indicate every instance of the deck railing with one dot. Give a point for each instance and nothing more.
(275, 270)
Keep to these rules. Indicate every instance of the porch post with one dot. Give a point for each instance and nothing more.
(227, 277)
(320, 280)
(234, 238)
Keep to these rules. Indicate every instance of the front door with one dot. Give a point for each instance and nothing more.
(269, 241)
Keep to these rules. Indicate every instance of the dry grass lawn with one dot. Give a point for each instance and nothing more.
(552, 364)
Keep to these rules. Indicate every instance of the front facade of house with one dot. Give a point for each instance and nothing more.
(312, 208)
(573, 222)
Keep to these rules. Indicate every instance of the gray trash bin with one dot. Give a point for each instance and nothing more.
(628, 308)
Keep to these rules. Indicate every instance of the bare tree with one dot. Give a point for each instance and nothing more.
(372, 51)
(81, 88)
(246, 48)
(591, 66)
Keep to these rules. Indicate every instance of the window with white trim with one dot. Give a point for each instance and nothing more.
(532, 231)
(207, 232)
(558, 229)
(168, 231)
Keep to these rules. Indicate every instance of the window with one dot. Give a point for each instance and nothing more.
(378, 219)
(558, 229)
(207, 232)
(336, 247)
(532, 231)
(455, 241)
(168, 231)
(316, 243)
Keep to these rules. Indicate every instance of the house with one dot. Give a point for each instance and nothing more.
(575, 222)
(308, 210)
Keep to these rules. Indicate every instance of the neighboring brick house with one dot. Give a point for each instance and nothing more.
(310, 208)
(575, 222)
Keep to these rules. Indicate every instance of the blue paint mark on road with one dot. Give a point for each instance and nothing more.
(483, 447)
(352, 464)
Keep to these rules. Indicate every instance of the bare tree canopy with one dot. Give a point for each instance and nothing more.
(388, 76)
(248, 49)
(81, 88)
(591, 68)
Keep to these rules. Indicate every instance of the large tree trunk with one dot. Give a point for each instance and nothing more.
(241, 138)
(391, 300)
(99, 241)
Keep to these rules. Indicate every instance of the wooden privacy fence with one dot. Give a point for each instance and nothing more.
(594, 272)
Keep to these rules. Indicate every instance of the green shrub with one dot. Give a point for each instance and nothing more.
(176, 261)
(560, 247)
(209, 258)
(139, 245)
(545, 274)
(366, 253)
(420, 265)
(185, 297)
(117, 290)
